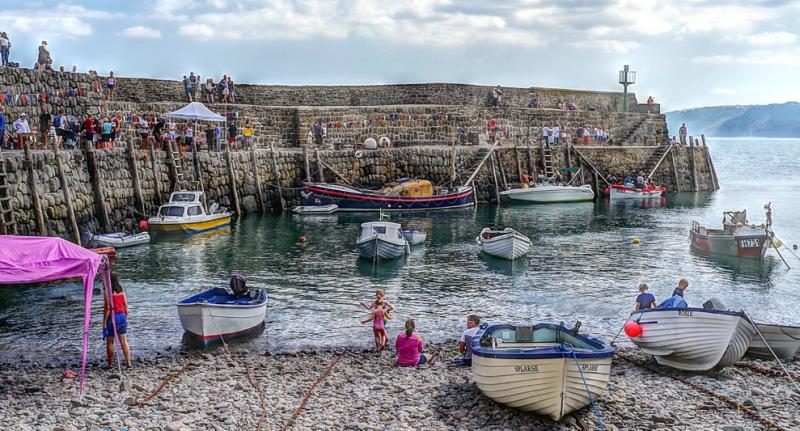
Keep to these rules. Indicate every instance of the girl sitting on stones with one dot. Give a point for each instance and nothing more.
(378, 328)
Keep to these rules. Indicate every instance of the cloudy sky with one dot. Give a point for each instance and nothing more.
(687, 53)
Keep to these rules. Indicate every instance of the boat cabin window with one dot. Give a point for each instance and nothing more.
(195, 210)
(171, 211)
(184, 197)
(379, 229)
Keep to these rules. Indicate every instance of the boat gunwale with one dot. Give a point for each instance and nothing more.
(693, 309)
(358, 194)
(603, 350)
(261, 302)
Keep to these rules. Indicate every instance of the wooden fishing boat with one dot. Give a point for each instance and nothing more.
(415, 236)
(737, 237)
(693, 339)
(315, 209)
(783, 339)
(507, 243)
(186, 213)
(221, 313)
(545, 368)
(620, 191)
(381, 240)
(120, 239)
(545, 192)
(404, 194)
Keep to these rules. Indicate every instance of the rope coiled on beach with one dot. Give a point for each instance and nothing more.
(728, 401)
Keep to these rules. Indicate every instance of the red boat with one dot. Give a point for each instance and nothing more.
(619, 191)
(737, 237)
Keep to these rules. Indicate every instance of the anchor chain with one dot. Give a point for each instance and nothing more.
(766, 371)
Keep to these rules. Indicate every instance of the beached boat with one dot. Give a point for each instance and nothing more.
(783, 339)
(544, 368)
(620, 191)
(222, 313)
(545, 192)
(120, 239)
(186, 213)
(404, 194)
(693, 339)
(381, 240)
(506, 243)
(415, 236)
(315, 209)
(737, 237)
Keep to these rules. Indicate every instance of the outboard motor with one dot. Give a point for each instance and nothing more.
(714, 303)
(238, 285)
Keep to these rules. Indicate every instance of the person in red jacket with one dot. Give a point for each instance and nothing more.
(120, 316)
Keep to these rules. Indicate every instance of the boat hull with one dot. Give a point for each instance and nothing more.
(551, 387)
(550, 194)
(784, 341)
(209, 323)
(750, 245)
(415, 237)
(378, 248)
(211, 222)
(315, 209)
(693, 339)
(119, 240)
(350, 199)
(633, 193)
(509, 246)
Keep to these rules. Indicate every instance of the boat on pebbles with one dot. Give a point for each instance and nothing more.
(544, 368)
(693, 339)
(784, 340)
(507, 243)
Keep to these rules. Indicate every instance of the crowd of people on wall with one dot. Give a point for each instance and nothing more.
(196, 90)
(587, 135)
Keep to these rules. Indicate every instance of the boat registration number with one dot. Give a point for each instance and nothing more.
(748, 243)
(589, 367)
(526, 368)
(687, 313)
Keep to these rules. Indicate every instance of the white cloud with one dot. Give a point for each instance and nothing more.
(65, 20)
(758, 58)
(719, 91)
(608, 45)
(197, 31)
(772, 38)
(141, 32)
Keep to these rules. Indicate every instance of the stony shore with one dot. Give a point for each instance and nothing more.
(364, 391)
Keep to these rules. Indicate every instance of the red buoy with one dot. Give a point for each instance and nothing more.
(302, 238)
(143, 224)
(633, 329)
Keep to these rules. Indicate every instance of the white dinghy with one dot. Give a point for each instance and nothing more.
(414, 236)
(507, 243)
(381, 240)
(783, 339)
(120, 239)
(546, 369)
(693, 339)
(316, 209)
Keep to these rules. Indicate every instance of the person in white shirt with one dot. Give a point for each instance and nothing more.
(473, 326)
(556, 133)
(545, 134)
(21, 129)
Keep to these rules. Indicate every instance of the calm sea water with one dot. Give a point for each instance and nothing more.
(582, 266)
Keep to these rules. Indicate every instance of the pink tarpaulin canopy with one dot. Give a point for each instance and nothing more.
(34, 259)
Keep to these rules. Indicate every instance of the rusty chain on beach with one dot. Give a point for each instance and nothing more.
(728, 401)
(766, 371)
(302, 405)
(260, 394)
(164, 383)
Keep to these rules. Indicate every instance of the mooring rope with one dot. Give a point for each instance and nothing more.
(164, 383)
(731, 403)
(596, 411)
(303, 403)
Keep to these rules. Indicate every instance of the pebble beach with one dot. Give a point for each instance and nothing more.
(361, 390)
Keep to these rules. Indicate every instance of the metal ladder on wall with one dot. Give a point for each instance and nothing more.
(8, 226)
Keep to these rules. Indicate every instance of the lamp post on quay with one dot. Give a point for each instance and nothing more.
(626, 77)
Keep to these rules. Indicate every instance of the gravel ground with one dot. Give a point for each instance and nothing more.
(364, 392)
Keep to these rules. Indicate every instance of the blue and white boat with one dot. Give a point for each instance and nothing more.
(220, 313)
(544, 368)
(119, 239)
(381, 240)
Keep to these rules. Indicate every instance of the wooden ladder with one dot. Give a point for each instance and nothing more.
(8, 225)
(547, 162)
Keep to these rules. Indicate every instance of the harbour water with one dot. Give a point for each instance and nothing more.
(583, 266)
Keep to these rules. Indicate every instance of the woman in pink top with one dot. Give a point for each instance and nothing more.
(409, 347)
(378, 328)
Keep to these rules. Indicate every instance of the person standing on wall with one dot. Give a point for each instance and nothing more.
(683, 133)
(232, 133)
(5, 47)
(111, 84)
(44, 61)
(44, 125)
(2, 127)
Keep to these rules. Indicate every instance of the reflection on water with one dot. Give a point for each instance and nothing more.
(583, 265)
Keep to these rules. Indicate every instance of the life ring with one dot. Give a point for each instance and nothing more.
(385, 142)
(370, 144)
(359, 154)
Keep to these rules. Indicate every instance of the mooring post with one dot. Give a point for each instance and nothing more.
(73, 223)
(198, 174)
(277, 177)
(516, 159)
(710, 163)
(37, 203)
(694, 163)
(568, 151)
(259, 196)
(320, 173)
(99, 198)
(232, 179)
(530, 159)
(596, 184)
(453, 163)
(307, 166)
(675, 172)
(137, 187)
(156, 176)
(173, 167)
(496, 186)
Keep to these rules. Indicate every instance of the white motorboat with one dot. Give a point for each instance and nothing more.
(415, 236)
(693, 339)
(506, 243)
(220, 313)
(545, 369)
(381, 240)
(783, 339)
(315, 209)
(120, 239)
(545, 192)
(186, 213)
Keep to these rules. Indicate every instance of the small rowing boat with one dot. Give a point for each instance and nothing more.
(415, 236)
(120, 239)
(220, 313)
(507, 243)
(544, 368)
(620, 191)
(783, 339)
(315, 209)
